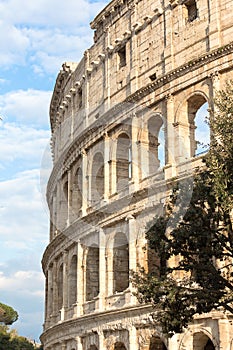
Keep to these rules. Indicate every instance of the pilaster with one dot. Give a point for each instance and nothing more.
(85, 183)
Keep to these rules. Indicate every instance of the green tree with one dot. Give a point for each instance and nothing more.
(7, 314)
(194, 241)
(10, 340)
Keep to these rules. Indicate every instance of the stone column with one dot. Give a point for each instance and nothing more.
(59, 205)
(69, 199)
(84, 183)
(170, 137)
(144, 149)
(132, 249)
(101, 341)
(55, 292)
(225, 333)
(102, 270)
(112, 164)
(49, 302)
(106, 167)
(109, 272)
(79, 345)
(63, 346)
(80, 299)
(133, 341)
(135, 153)
(182, 142)
(65, 286)
(214, 87)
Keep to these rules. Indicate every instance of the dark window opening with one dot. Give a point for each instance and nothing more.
(153, 77)
(80, 98)
(191, 7)
(122, 57)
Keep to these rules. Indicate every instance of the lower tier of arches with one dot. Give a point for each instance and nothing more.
(134, 329)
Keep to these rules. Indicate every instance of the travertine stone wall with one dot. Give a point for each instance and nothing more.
(125, 122)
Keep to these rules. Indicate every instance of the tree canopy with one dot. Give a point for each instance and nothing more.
(7, 314)
(10, 340)
(193, 239)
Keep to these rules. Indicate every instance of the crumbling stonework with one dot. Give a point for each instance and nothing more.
(124, 124)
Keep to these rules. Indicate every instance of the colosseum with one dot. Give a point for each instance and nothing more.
(125, 121)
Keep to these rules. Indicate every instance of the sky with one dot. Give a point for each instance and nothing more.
(36, 37)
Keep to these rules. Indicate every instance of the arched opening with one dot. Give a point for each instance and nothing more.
(119, 346)
(92, 273)
(120, 263)
(157, 344)
(77, 191)
(156, 143)
(73, 281)
(202, 342)
(60, 287)
(93, 347)
(123, 161)
(202, 132)
(199, 131)
(97, 178)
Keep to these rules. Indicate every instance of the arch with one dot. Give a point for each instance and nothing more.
(202, 342)
(93, 347)
(156, 141)
(97, 177)
(72, 281)
(92, 273)
(156, 344)
(60, 287)
(199, 132)
(120, 263)
(119, 346)
(123, 160)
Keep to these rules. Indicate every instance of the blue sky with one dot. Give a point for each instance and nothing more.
(36, 38)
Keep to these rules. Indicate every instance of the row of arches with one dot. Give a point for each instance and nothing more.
(130, 153)
(64, 282)
(198, 341)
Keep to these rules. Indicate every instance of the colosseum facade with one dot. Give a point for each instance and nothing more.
(126, 120)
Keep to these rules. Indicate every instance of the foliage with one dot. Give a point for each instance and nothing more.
(7, 314)
(194, 238)
(10, 340)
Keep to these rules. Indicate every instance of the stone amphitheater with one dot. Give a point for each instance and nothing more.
(125, 121)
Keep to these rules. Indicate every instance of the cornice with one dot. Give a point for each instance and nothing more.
(109, 11)
(63, 77)
(104, 318)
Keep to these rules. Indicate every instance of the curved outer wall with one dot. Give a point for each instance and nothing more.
(124, 124)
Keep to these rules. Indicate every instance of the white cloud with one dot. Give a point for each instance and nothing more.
(45, 32)
(14, 45)
(50, 13)
(26, 106)
(20, 147)
(22, 207)
(22, 281)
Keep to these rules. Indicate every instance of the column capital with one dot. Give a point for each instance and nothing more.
(129, 217)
